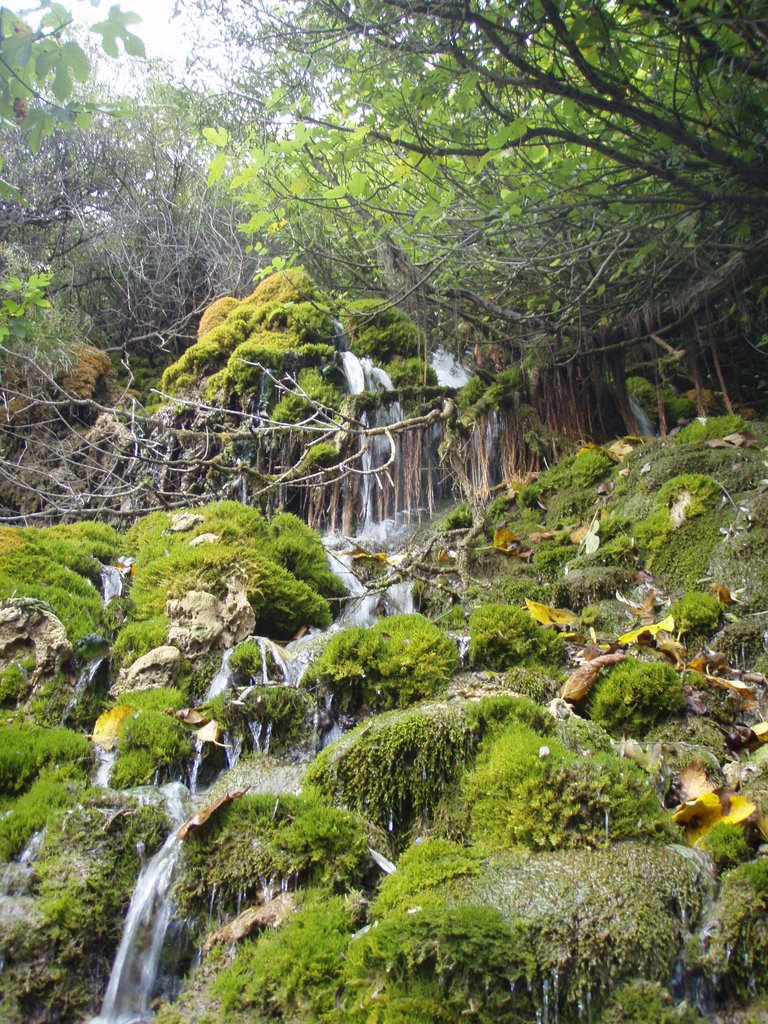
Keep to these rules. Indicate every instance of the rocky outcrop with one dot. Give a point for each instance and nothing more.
(29, 627)
(201, 622)
(156, 669)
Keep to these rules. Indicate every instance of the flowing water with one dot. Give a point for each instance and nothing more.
(135, 970)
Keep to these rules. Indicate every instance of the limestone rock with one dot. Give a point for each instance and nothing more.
(270, 915)
(154, 670)
(28, 626)
(201, 622)
(184, 521)
(205, 538)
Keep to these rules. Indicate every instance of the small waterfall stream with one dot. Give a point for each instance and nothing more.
(135, 970)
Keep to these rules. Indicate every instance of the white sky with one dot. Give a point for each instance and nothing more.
(164, 36)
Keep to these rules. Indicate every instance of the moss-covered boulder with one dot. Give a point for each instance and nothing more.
(501, 636)
(635, 695)
(400, 660)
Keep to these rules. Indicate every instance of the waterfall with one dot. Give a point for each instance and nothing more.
(84, 680)
(450, 372)
(149, 915)
(111, 582)
(644, 424)
(223, 678)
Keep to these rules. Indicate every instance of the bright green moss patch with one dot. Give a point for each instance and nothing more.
(136, 639)
(635, 695)
(400, 660)
(714, 427)
(293, 973)
(264, 841)
(646, 1002)
(411, 373)
(269, 717)
(423, 867)
(696, 614)
(528, 791)
(395, 768)
(502, 636)
(151, 744)
(32, 811)
(60, 566)
(727, 846)
(26, 751)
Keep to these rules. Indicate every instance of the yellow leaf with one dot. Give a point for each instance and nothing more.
(108, 726)
(673, 649)
(549, 616)
(666, 625)
(761, 732)
(718, 807)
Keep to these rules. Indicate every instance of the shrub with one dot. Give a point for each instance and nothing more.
(502, 636)
(635, 695)
(400, 660)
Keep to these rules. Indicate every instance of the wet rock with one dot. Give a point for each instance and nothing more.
(29, 627)
(200, 622)
(184, 521)
(157, 668)
(270, 915)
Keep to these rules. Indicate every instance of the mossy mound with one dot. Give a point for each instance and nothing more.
(151, 746)
(269, 718)
(400, 660)
(635, 695)
(381, 331)
(59, 565)
(529, 791)
(283, 565)
(502, 636)
(60, 956)
(257, 844)
(395, 768)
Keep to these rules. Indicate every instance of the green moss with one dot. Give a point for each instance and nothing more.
(136, 639)
(266, 841)
(635, 695)
(59, 566)
(26, 751)
(400, 660)
(727, 846)
(738, 933)
(380, 331)
(14, 683)
(269, 717)
(459, 518)
(291, 285)
(696, 614)
(743, 642)
(433, 863)
(313, 389)
(33, 810)
(163, 699)
(291, 974)
(395, 768)
(150, 744)
(322, 455)
(532, 681)
(646, 1002)
(714, 427)
(216, 313)
(528, 791)
(299, 550)
(551, 557)
(410, 373)
(501, 636)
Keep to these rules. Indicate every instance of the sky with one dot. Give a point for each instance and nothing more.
(164, 35)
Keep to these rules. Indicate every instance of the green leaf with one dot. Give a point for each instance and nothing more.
(216, 168)
(216, 136)
(76, 60)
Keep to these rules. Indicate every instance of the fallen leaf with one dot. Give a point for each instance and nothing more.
(745, 694)
(548, 616)
(620, 449)
(723, 594)
(761, 732)
(671, 649)
(580, 681)
(190, 716)
(693, 781)
(704, 661)
(210, 732)
(721, 806)
(537, 538)
(446, 555)
(666, 625)
(199, 819)
(508, 542)
(108, 725)
(737, 440)
(579, 534)
(270, 915)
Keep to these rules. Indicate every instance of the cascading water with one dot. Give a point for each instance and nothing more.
(84, 680)
(136, 966)
(450, 372)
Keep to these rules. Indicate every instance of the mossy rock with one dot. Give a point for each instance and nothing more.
(736, 937)
(379, 330)
(151, 746)
(216, 313)
(743, 642)
(529, 791)
(635, 695)
(267, 842)
(646, 1002)
(557, 930)
(502, 636)
(270, 718)
(727, 846)
(395, 768)
(84, 878)
(696, 614)
(400, 660)
(583, 587)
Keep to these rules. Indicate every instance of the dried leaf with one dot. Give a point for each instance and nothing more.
(744, 694)
(199, 819)
(210, 733)
(579, 683)
(704, 662)
(737, 440)
(760, 732)
(108, 726)
(270, 915)
(671, 649)
(666, 625)
(620, 449)
(190, 716)
(693, 781)
(721, 806)
(537, 538)
(508, 542)
(578, 535)
(548, 616)
(446, 555)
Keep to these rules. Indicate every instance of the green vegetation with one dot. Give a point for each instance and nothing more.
(25, 751)
(727, 846)
(380, 330)
(400, 660)
(696, 615)
(635, 695)
(738, 943)
(502, 636)
(151, 745)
